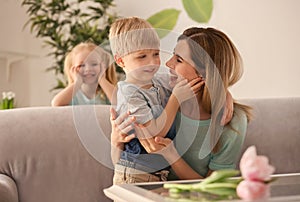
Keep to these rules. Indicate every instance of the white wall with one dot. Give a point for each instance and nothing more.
(265, 31)
(28, 77)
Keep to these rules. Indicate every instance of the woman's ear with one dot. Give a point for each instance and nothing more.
(119, 61)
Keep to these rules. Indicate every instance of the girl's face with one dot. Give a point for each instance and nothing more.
(88, 64)
(181, 64)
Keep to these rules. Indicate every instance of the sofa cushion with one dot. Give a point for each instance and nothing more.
(42, 151)
(275, 131)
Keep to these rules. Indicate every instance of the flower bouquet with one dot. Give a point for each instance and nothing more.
(7, 100)
(222, 184)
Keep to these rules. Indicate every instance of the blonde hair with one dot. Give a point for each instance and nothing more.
(215, 54)
(110, 73)
(131, 34)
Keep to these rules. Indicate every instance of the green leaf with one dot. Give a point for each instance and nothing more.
(60, 85)
(164, 21)
(198, 10)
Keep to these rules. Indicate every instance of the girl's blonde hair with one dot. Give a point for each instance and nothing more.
(215, 55)
(127, 35)
(104, 57)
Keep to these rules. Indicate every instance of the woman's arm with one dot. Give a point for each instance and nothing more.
(120, 126)
(180, 167)
(166, 148)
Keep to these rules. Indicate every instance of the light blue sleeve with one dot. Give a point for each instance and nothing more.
(231, 142)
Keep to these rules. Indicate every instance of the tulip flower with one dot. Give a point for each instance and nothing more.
(254, 167)
(254, 184)
(252, 190)
(256, 172)
(7, 100)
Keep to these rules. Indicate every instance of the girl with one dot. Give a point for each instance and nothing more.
(91, 75)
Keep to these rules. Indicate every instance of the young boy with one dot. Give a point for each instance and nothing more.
(135, 45)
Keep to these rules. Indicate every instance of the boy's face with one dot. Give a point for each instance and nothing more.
(140, 66)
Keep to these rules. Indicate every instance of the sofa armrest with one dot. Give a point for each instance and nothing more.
(8, 189)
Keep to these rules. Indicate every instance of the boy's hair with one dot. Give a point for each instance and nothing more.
(131, 34)
(105, 58)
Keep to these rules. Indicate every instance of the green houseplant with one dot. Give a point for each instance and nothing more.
(65, 23)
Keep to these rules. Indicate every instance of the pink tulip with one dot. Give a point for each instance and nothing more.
(254, 167)
(251, 190)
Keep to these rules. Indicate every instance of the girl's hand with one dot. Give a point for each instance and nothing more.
(75, 74)
(120, 126)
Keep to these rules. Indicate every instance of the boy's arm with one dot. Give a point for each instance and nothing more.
(65, 96)
(161, 125)
(181, 92)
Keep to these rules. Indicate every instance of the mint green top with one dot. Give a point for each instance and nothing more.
(191, 135)
(81, 99)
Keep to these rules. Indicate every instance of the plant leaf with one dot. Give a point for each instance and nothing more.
(198, 10)
(164, 21)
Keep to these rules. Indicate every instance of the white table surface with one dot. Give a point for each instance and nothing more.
(134, 192)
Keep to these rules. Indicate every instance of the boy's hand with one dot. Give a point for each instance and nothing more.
(184, 91)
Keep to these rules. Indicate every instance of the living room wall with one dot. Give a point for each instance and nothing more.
(266, 33)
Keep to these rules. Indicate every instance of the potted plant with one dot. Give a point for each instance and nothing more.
(63, 24)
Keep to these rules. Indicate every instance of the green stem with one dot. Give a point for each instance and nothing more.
(5, 104)
(11, 104)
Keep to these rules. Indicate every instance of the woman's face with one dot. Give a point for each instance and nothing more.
(181, 64)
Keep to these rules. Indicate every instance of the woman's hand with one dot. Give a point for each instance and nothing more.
(166, 148)
(120, 126)
(158, 145)
(228, 109)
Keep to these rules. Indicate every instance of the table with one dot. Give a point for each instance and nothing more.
(285, 188)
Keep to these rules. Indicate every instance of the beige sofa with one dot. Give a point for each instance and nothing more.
(63, 154)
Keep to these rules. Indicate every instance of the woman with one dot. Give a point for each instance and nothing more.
(201, 145)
